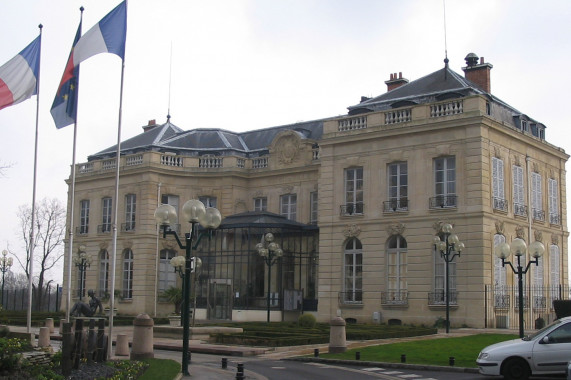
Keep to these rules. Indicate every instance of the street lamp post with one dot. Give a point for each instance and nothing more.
(270, 252)
(518, 248)
(5, 264)
(82, 261)
(449, 248)
(194, 212)
(178, 264)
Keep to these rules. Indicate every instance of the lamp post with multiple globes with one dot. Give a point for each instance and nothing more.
(82, 261)
(270, 251)
(194, 212)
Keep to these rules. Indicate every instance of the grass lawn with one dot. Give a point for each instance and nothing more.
(160, 369)
(431, 351)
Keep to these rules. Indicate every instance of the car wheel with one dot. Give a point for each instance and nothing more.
(516, 369)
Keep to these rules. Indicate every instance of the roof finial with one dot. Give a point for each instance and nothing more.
(445, 42)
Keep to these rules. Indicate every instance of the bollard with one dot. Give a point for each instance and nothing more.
(358, 355)
(122, 345)
(224, 363)
(44, 338)
(240, 371)
(337, 336)
(50, 324)
(451, 360)
(316, 352)
(142, 345)
(403, 358)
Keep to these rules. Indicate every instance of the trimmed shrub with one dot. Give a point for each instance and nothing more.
(307, 320)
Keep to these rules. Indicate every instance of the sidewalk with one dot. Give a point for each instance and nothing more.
(209, 372)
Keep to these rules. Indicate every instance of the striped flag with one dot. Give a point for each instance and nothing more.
(19, 76)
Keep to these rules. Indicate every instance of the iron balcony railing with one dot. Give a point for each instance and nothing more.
(500, 204)
(352, 297)
(439, 298)
(352, 209)
(104, 228)
(520, 209)
(394, 298)
(443, 201)
(395, 205)
(128, 227)
(538, 215)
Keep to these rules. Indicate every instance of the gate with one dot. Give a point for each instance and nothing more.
(219, 299)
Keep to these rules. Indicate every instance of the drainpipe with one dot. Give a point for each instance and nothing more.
(157, 258)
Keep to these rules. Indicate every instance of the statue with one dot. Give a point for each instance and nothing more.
(81, 308)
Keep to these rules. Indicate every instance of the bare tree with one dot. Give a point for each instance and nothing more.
(3, 167)
(48, 241)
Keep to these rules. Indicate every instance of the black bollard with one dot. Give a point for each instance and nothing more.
(403, 358)
(224, 363)
(240, 371)
(358, 355)
(316, 352)
(451, 360)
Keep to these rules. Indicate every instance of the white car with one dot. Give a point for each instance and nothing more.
(545, 352)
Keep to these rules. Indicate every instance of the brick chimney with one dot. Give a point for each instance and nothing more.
(478, 73)
(151, 125)
(395, 82)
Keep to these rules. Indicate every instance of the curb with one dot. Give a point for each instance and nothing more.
(387, 365)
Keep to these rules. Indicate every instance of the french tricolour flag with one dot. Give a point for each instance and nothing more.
(107, 36)
(18, 76)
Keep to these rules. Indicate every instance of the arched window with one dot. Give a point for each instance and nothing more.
(501, 296)
(396, 270)
(167, 276)
(103, 273)
(554, 271)
(127, 274)
(353, 272)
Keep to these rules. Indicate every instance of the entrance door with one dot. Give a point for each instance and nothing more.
(220, 299)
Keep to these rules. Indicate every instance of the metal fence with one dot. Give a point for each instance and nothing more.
(17, 299)
(502, 305)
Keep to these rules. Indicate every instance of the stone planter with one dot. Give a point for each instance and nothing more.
(174, 320)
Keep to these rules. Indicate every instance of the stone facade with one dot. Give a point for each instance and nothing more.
(376, 261)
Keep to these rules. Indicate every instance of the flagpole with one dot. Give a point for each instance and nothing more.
(114, 251)
(33, 218)
(72, 206)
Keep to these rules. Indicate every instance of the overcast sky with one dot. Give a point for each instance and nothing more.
(249, 64)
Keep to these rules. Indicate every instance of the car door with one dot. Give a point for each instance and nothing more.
(552, 351)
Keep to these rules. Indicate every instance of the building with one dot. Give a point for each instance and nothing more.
(354, 201)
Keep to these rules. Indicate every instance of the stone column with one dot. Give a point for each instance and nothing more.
(337, 337)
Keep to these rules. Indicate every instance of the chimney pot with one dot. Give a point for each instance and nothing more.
(152, 122)
(481, 60)
(400, 74)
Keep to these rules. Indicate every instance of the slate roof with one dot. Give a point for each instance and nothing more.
(263, 219)
(438, 86)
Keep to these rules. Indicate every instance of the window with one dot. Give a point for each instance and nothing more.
(106, 212)
(353, 272)
(84, 216)
(313, 207)
(539, 301)
(440, 279)
(518, 191)
(445, 181)
(353, 191)
(499, 198)
(130, 212)
(127, 274)
(103, 273)
(536, 197)
(208, 201)
(554, 273)
(396, 266)
(288, 206)
(172, 200)
(398, 186)
(552, 191)
(261, 204)
(501, 295)
(167, 276)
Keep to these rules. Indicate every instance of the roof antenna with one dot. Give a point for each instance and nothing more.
(445, 42)
(170, 81)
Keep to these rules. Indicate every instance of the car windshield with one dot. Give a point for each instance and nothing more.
(535, 334)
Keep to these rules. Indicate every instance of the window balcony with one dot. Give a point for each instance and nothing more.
(128, 227)
(554, 219)
(396, 205)
(520, 210)
(443, 201)
(82, 230)
(500, 204)
(354, 297)
(439, 298)
(538, 215)
(350, 209)
(104, 228)
(502, 301)
(394, 298)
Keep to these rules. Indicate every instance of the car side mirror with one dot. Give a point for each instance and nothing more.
(545, 339)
